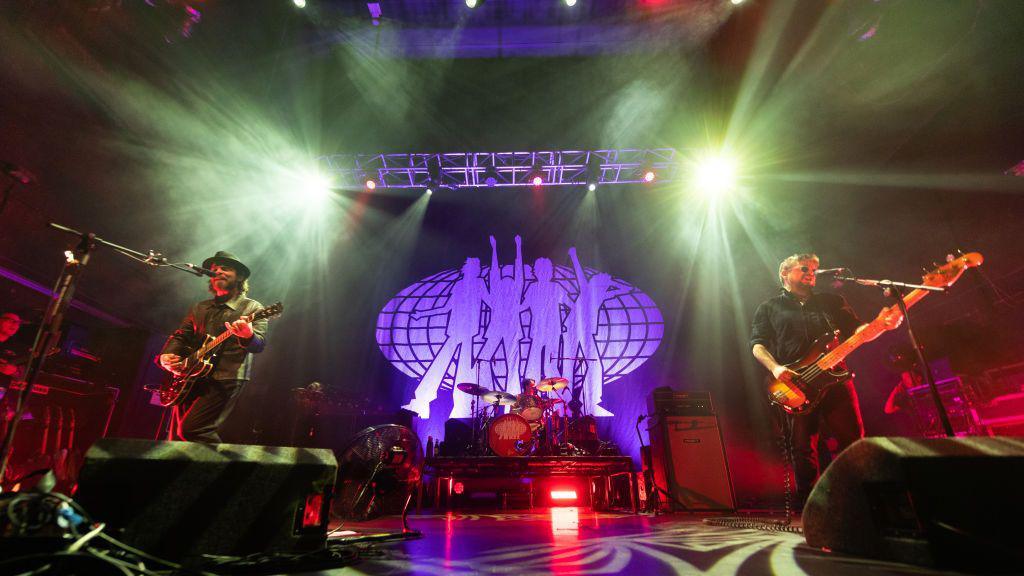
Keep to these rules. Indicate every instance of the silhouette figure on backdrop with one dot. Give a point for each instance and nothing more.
(505, 325)
(463, 307)
(544, 299)
(581, 328)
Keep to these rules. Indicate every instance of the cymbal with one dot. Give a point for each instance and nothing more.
(471, 388)
(500, 398)
(551, 384)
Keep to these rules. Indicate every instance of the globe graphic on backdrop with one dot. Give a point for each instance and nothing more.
(630, 326)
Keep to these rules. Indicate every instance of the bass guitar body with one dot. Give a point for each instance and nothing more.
(803, 393)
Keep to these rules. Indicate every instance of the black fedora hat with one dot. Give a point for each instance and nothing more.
(227, 259)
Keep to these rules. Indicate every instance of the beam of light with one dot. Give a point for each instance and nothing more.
(715, 175)
(313, 188)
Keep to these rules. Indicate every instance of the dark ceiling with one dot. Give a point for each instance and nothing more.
(93, 90)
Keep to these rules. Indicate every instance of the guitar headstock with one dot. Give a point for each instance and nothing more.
(274, 309)
(948, 273)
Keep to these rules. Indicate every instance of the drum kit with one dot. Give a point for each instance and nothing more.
(533, 426)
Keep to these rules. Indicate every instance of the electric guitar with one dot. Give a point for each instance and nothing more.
(822, 366)
(200, 362)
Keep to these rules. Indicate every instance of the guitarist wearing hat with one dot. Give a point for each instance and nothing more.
(211, 400)
(785, 327)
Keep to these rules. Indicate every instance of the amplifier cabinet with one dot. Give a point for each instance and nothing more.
(688, 460)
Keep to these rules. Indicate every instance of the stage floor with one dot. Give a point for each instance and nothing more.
(577, 541)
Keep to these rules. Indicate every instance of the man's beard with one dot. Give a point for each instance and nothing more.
(230, 285)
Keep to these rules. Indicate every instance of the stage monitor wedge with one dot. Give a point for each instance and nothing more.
(182, 499)
(940, 502)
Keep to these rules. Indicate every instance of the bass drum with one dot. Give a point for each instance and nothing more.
(510, 435)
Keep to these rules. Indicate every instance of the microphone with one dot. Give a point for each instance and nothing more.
(17, 172)
(200, 271)
(832, 271)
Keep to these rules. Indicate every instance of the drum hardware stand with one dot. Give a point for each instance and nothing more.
(575, 404)
(479, 415)
(895, 290)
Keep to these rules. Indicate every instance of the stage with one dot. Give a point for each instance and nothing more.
(578, 541)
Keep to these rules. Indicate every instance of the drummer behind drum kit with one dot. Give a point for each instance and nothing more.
(533, 426)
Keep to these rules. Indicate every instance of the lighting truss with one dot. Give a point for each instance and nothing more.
(501, 169)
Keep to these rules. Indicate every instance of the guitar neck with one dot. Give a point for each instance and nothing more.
(212, 344)
(871, 331)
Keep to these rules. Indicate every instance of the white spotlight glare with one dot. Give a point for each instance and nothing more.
(472, 3)
(591, 187)
(570, 3)
(430, 191)
(715, 175)
(736, 2)
(299, 3)
(313, 187)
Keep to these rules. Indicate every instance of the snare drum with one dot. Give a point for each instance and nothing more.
(510, 435)
(529, 406)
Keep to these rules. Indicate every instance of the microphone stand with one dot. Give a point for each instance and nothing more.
(75, 261)
(896, 290)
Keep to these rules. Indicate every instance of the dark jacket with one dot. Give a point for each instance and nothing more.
(234, 360)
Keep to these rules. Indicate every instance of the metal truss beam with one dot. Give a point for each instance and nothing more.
(502, 169)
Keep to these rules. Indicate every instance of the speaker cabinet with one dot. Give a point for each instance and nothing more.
(688, 460)
(182, 499)
(942, 502)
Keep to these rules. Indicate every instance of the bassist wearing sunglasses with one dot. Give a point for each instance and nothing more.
(785, 328)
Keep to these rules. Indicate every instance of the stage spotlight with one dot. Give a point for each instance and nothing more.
(314, 186)
(715, 175)
(591, 187)
(536, 176)
(473, 3)
(736, 2)
(370, 184)
(649, 175)
(430, 191)
(299, 3)
(570, 3)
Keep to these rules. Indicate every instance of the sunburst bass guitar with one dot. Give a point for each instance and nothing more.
(200, 363)
(822, 366)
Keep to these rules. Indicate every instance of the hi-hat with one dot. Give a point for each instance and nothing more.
(500, 398)
(552, 384)
(474, 389)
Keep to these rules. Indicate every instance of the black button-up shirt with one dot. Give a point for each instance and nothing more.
(787, 327)
(234, 360)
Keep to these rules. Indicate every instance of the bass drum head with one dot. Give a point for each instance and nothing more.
(510, 435)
